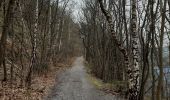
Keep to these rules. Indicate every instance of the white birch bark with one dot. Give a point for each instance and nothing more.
(34, 46)
(134, 70)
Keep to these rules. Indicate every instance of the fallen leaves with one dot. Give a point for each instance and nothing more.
(40, 88)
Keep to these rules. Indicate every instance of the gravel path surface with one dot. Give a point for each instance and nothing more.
(74, 85)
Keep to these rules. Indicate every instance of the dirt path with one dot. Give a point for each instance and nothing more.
(74, 85)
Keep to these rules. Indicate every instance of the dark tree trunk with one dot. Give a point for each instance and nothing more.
(5, 71)
(5, 29)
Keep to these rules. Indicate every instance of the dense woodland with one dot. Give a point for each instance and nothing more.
(35, 35)
(122, 41)
(125, 40)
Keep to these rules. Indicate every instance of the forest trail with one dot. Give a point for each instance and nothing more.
(74, 85)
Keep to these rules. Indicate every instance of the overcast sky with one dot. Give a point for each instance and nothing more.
(77, 9)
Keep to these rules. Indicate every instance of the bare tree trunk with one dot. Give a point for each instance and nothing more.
(134, 74)
(6, 25)
(49, 51)
(34, 46)
(12, 60)
(1, 3)
(22, 43)
(125, 23)
(5, 71)
(160, 80)
(152, 30)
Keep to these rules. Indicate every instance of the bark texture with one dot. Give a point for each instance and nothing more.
(5, 30)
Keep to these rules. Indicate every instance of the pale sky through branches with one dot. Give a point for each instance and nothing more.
(77, 9)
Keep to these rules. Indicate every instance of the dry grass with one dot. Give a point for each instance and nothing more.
(114, 87)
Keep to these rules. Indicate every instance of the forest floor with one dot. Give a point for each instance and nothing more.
(41, 85)
(74, 84)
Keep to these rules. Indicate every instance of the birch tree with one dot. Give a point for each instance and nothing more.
(134, 70)
(34, 46)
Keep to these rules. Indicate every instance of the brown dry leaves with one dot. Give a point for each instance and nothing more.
(41, 85)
